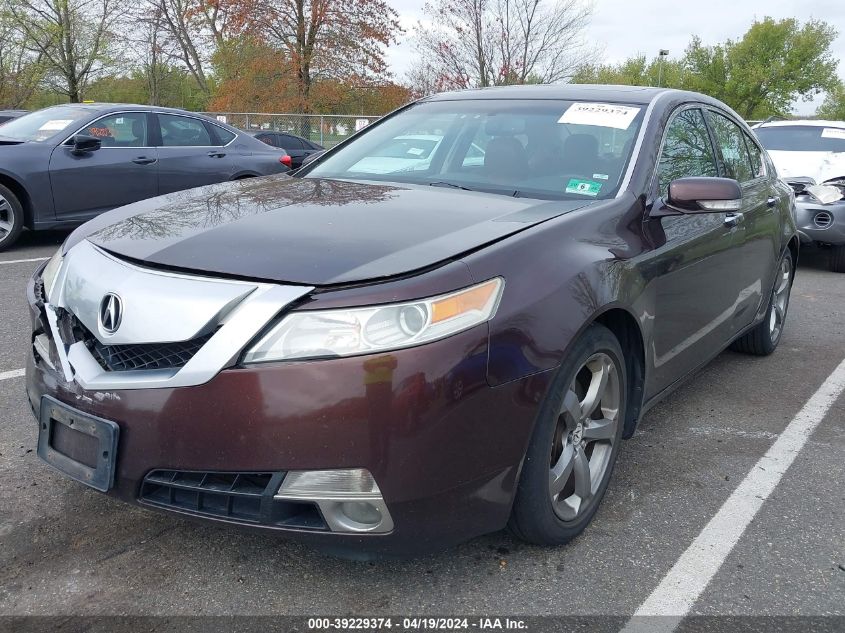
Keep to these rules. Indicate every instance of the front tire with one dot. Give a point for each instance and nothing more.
(575, 443)
(764, 338)
(837, 259)
(11, 218)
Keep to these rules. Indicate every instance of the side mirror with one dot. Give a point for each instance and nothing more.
(705, 195)
(82, 144)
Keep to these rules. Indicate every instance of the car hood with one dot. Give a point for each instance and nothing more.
(819, 166)
(312, 231)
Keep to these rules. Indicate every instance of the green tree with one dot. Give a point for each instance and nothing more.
(762, 74)
(833, 107)
(634, 71)
(74, 39)
(765, 72)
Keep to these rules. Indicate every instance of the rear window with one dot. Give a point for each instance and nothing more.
(802, 138)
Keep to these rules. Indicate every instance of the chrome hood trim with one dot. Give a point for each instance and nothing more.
(159, 307)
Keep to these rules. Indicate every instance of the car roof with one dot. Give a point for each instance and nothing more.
(573, 92)
(105, 108)
(803, 122)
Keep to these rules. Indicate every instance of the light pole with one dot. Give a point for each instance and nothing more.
(661, 55)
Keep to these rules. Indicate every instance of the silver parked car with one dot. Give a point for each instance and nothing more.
(64, 165)
(810, 156)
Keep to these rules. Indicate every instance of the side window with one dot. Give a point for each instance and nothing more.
(687, 150)
(182, 131)
(266, 138)
(120, 130)
(224, 135)
(730, 140)
(290, 142)
(757, 169)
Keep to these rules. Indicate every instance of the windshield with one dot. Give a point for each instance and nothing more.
(44, 124)
(802, 138)
(539, 148)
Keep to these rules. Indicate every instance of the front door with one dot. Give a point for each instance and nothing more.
(122, 171)
(758, 251)
(694, 287)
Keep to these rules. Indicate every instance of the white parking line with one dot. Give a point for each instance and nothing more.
(676, 594)
(23, 261)
(15, 373)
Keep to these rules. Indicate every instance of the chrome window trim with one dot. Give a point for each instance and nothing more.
(238, 322)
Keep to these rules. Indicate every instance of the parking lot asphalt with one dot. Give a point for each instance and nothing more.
(67, 550)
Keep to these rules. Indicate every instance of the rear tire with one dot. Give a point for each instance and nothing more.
(576, 439)
(11, 218)
(837, 259)
(764, 338)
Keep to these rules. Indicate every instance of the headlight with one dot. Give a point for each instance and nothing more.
(50, 272)
(332, 333)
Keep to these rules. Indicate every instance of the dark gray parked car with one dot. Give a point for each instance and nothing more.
(9, 115)
(299, 148)
(64, 165)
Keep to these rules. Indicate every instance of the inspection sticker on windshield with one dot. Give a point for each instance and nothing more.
(833, 132)
(600, 114)
(55, 125)
(584, 187)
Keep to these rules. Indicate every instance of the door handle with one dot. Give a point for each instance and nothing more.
(771, 202)
(217, 154)
(734, 219)
(144, 160)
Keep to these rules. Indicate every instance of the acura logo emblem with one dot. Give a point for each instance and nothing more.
(111, 313)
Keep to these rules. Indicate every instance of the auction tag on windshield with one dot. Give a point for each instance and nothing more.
(600, 114)
(833, 132)
(55, 125)
(584, 187)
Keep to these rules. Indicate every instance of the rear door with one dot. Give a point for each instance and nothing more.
(694, 287)
(190, 153)
(123, 170)
(757, 250)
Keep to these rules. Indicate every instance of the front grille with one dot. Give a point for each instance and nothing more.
(137, 357)
(241, 497)
(822, 219)
(38, 290)
(146, 356)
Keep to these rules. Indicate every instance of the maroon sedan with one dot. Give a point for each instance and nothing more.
(442, 327)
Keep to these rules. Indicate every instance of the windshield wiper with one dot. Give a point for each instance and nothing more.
(451, 185)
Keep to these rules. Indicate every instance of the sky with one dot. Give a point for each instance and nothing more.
(622, 28)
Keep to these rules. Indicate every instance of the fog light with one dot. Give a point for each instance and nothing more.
(362, 512)
(349, 499)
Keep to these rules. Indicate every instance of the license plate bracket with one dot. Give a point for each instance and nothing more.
(82, 446)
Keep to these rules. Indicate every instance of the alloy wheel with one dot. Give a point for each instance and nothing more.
(7, 218)
(780, 300)
(583, 441)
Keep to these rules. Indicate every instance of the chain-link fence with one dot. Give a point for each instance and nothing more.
(326, 129)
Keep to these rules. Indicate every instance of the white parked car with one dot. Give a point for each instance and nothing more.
(810, 156)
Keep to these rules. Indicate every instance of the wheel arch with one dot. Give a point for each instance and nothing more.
(22, 195)
(626, 329)
(794, 247)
